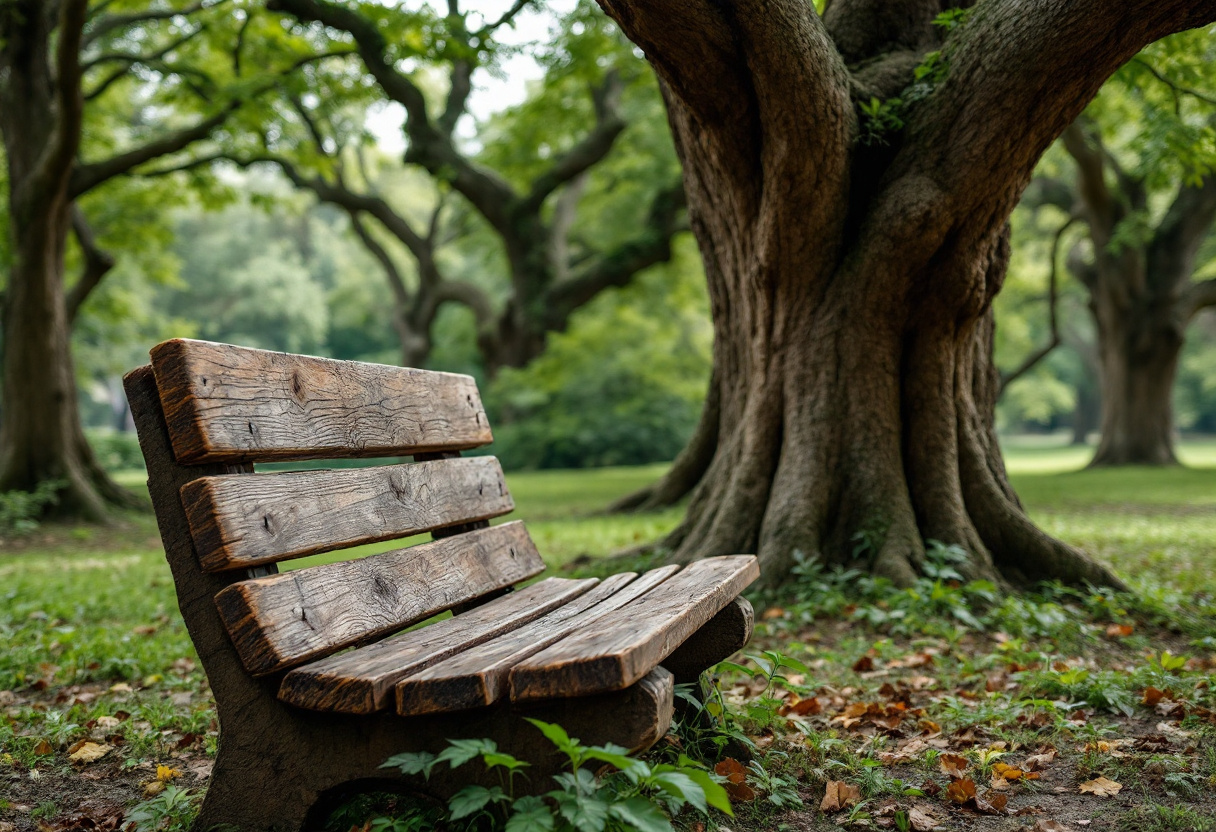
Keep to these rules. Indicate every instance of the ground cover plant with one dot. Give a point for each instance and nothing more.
(859, 705)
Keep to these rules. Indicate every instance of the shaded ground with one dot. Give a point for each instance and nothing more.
(880, 686)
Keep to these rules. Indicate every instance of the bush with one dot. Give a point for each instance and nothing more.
(116, 451)
(20, 510)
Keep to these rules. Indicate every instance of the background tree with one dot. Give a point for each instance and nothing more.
(528, 197)
(1147, 200)
(175, 71)
(850, 180)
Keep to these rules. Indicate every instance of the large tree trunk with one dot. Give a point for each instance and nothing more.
(852, 264)
(41, 439)
(1139, 348)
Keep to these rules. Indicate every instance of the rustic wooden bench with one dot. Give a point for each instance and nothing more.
(316, 678)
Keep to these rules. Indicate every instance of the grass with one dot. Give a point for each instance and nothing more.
(94, 649)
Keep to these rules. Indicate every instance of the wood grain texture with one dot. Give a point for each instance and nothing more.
(234, 404)
(627, 643)
(478, 677)
(282, 620)
(239, 521)
(361, 681)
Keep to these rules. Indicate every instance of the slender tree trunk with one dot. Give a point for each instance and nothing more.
(1139, 349)
(1086, 414)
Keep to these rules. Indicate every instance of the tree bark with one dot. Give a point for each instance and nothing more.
(1138, 349)
(851, 282)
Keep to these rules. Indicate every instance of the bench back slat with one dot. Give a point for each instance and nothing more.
(244, 520)
(235, 404)
(283, 620)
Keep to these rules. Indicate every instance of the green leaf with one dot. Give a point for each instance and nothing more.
(530, 814)
(500, 758)
(642, 815)
(413, 762)
(460, 752)
(715, 794)
(473, 799)
(681, 786)
(584, 812)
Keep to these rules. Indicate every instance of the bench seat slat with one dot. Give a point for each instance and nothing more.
(235, 404)
(361, 681)
(478, 677)
(629, 642)
(283, 620)
(239, 521)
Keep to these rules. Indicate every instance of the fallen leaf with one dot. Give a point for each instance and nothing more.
(992, 803)
(921, 819)
(736, 780)
(960, 791)
(120, 687)
(108, 722)
(1007, 772)
(1040, 761)
(863, 665)
(89, 752)
(1101, 787)
(165, 773)
(771, 613)
(1119, 630)
(1041, 825)
(153, 788)
(953, 765)
(839, 795)
(43, 748)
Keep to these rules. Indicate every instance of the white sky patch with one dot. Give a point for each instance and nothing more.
(490, 94)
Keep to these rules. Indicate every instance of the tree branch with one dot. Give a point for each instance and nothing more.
(1101, 207)
(1175, 87)
(1175, 243)
(97, 263)
(1015, 81)
(507, 17)
(1199, 296)
(428, 146)
(88, 176)
(592, 149)
(54, 165)
(108, 23)
(619, 266)
(1052, 293)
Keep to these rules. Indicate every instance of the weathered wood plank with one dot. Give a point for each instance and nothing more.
(239, 521)
(478, 677)
(718, 639)
(235, 404)
(282, 620)
(361, 681)
(626, 644)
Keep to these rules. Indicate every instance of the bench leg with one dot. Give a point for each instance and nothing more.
(275, 762)
(720, 638)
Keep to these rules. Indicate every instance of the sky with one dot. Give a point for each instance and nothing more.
(489, 94)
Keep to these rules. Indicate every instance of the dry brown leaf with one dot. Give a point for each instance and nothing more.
(1040, 761)
(1101, 787)
(863, 665)
(992, 803)
(839, 795)
(921, 819)
(1041, 825)
(89, 752)
(1007, 772)
(153, 788)
(736, 780)
(1119, 630)
(953, 765)
(960, 791)
(43, 748)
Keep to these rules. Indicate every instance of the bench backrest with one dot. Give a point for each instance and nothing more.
(236, 406)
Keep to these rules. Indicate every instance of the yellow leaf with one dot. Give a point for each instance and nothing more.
(164, 773)
(1101, 787)
(153, 788)
(89, 752)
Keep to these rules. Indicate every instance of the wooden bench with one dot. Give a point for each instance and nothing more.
(316, 678)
